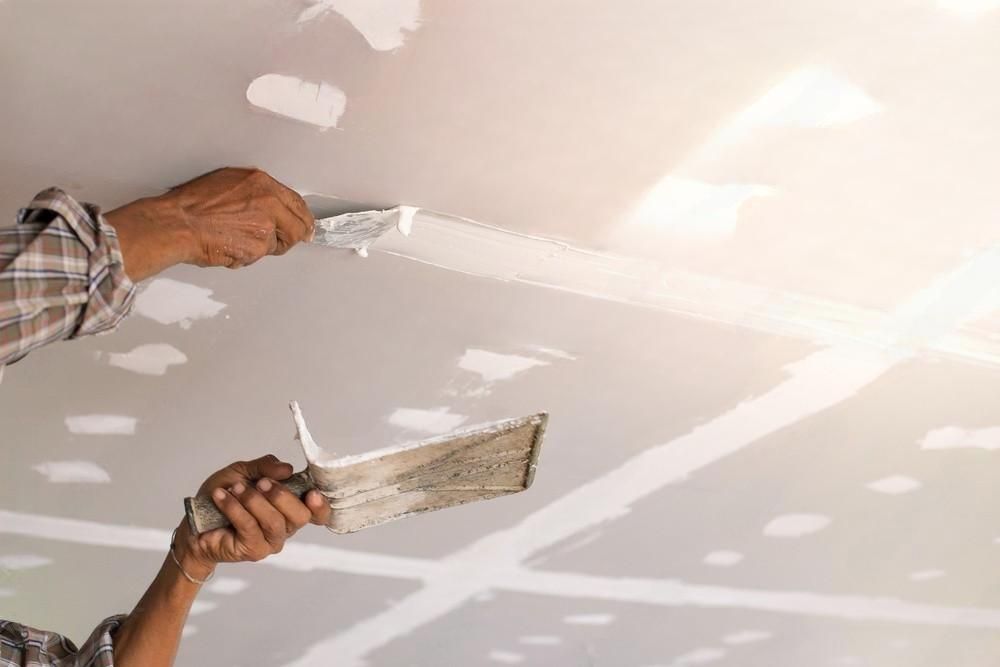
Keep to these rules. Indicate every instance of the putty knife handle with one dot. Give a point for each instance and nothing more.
(203, 515)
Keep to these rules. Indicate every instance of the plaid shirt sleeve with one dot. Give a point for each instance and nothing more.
(61, 275)
(21, 646)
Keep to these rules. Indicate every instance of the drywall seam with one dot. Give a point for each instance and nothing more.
(298, 557)
(658, 592)
(473, 248)
(816, 383)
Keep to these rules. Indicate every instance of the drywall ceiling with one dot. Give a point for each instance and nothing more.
(746, 256)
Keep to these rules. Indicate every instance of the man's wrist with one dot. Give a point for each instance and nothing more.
(152, 235)
(188, 559)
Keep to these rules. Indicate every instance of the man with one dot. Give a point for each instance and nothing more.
(67, 271)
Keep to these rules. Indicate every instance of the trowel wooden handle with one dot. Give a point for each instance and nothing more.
(203, 515)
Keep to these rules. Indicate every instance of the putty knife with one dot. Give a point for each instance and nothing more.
(366, 490)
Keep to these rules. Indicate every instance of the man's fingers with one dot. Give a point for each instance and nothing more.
(319, 508)
(244, 524)
(270, 521)
(297, 206)
(295, 512)
(266, 466)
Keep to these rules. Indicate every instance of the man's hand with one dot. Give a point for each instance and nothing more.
(229, 217)
(263, 512)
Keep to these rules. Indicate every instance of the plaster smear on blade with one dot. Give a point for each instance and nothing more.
(73, 472)
(169, 301)
(358, 231)
(313, 453)
(101, 424)
(318, 104)
(152, 359)
(380, 22)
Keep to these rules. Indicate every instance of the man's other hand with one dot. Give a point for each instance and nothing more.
(229, 217)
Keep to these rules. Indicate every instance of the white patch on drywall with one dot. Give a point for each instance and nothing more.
(227, 585)
(894, 485)
(701, 656)
(22, 562)
(540, 640)
(796, 525)
(319, 104)
(722, 558)
(969, 9)
(954, 437)
(809, 97)
(381, 22)
(696, 209)
(589, 619)
(73, 472)
(493, 367)
(189, 630)
(505, 657)
(747, 637)
(552, 352)
(169, 301)
(6, 593)
(435, 420)
(202, 607)
(101, 424)
(926, 575)
(152, 359)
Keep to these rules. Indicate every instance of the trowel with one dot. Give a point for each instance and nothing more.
(366, 490)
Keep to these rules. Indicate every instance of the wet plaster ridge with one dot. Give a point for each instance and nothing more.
(478, 249)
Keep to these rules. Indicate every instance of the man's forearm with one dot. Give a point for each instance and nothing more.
(152, 236)
(150, 635)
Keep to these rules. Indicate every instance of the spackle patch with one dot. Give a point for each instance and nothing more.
(169, 301)
(73, 472)
(189, 630)
(539, 640)
(505, 657)
(552, 352)
(227, 585)
(153, 359)
(894, 485)
(318, 104)
(589, 619)
(101, 424)
(796, 525)
(722, 558)
(696, 209)
(954, 437)
(6, 593)
(813, 97)
(314, 453)
(493, 367)
(701, 656)
(380, 22)
(747, 637)
(23, 562)
(202, 607)
(926, 575)
(435, 420)
(969, 9)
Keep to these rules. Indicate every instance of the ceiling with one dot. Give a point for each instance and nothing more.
(746, 257)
